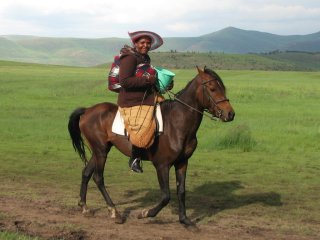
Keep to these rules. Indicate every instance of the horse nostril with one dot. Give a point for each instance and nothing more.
(231, 115)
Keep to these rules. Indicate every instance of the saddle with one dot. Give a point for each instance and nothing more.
(119, 128)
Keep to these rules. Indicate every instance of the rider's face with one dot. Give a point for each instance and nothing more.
(143, 45)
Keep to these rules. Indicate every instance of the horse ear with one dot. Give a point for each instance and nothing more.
(200, 71)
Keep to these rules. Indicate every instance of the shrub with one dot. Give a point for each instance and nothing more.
(238, 137)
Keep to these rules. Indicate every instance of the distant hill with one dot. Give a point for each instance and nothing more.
(62, 51)
(233, 40)
(90, 52)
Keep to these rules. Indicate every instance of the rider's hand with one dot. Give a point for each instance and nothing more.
(170, 86)
(151, 79)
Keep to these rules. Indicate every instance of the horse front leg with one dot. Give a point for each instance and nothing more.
(163, 178)
(181, 170)
(99, 180)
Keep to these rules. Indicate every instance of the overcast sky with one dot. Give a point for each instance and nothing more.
(169, 18)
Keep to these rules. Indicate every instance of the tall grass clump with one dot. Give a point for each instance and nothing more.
(15, 236)
(238, 137)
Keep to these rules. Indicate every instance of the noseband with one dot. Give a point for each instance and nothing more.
(211, 100)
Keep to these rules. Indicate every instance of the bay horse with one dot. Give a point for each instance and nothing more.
(181, 119)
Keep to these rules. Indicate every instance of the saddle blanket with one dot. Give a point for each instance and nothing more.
(118, 123)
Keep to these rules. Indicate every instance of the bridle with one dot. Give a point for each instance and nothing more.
(205, 92)
(210, 98)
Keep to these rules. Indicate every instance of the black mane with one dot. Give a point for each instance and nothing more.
(184, 89)
(211, 73)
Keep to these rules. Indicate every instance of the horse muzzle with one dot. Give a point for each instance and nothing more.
(230, 116)
(225, 116)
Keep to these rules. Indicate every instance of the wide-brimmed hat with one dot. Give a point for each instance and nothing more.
(156, 40)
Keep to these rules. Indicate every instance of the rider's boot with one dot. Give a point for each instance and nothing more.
(134, 161)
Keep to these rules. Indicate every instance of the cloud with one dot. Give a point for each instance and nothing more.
(181, 27)
(100, 18)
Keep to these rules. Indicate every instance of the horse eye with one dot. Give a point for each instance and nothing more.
(212, 88)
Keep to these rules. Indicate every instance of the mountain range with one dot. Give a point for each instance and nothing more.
(90, 51)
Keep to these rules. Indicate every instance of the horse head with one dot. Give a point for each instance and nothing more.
(212, 94)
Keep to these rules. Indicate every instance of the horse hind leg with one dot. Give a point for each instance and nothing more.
(99, 180)
(86, 176)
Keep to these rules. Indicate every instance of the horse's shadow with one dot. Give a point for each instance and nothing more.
(205, 200)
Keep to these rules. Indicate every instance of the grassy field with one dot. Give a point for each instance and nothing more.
(262, 169)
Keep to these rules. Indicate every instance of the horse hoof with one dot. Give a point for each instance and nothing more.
(143, 214)
(87, 212)
(187, 222)
(119, 220)
(116, 215)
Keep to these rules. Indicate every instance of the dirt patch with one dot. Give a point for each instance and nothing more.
(46, 219)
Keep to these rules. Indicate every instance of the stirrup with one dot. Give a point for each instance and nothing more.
(134, 165)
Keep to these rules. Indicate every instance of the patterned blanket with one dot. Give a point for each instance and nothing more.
(140, 124)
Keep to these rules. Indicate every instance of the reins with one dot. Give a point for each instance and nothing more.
(171, 94)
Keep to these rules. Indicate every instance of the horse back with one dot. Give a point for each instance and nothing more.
(96, 122)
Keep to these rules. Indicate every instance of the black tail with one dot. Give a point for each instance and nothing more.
(75, 133)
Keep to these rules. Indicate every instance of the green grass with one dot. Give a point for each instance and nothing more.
(15, 236)
(264, 165)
